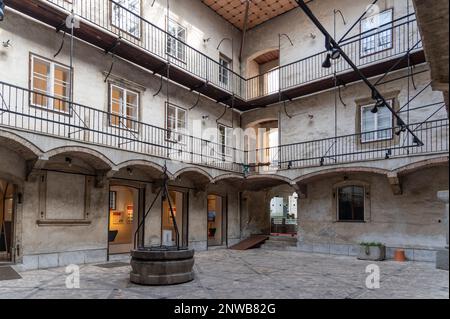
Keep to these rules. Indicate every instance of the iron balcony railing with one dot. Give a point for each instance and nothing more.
(33, 111)
(387, 42)
(360, 147)
(130, 26)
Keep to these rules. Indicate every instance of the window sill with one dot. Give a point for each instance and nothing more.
(43, 108)
(350, 221)
(61, 222)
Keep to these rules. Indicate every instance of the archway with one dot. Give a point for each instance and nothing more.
(263, 73)
(7, 219)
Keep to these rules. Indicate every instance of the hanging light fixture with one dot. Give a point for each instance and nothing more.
(377, 105)
(327, 63)
(335, 53)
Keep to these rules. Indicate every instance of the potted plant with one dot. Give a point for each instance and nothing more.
(372, 251)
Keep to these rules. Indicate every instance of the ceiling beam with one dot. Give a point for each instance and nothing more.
(244, 30)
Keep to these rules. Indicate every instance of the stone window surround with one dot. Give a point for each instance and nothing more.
(51, 61)
(367, 200)
(42, 206)
(360, 103)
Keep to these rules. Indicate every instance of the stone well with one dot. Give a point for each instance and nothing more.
(161, 267)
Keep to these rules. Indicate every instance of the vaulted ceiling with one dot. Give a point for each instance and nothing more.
(259, 10)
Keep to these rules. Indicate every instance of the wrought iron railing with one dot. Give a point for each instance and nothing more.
(397, 38)
(395, 142)
(401, 36)
(28, 110)
(133, 28)
(33, 111)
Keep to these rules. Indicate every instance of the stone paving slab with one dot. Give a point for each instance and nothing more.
(253, 274)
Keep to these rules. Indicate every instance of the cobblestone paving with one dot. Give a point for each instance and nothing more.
(245, 275)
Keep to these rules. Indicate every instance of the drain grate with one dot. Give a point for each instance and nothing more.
(8, 273)
(113, 265)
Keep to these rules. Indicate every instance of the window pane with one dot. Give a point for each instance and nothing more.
(368, 124)
(116, 105)
(351, 203)
(126, 16)
(384, 123)
(382, 33)
(61, 88)
(132, 110)
(41, 82)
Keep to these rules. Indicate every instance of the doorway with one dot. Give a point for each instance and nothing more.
(123, 219)
(179, 202)
(284, 215)
(216, 220)
(7, 192)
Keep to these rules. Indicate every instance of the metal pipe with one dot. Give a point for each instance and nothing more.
(376, 95)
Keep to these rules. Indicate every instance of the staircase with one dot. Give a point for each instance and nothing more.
(280, 243)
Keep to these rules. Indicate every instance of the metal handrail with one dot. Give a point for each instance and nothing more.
(208, 69)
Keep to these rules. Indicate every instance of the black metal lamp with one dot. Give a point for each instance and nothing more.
(327, 63)
(377, 105)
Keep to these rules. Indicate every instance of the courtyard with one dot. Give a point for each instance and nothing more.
(252, 274)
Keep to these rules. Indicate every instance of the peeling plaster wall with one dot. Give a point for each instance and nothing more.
(299, 28)
(90, 68)
(408, 220)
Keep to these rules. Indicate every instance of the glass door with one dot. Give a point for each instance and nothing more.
(178, 201)
(216, 220)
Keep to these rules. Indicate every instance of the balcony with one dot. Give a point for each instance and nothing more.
(20, 110)
(135, 39)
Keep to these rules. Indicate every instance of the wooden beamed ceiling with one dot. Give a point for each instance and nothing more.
(259, 10)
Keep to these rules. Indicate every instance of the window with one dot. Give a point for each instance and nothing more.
(375, 126)
(175, 41)
(225, 141)
(273, 81)
(224, 73)
(112, 200)
(126, 16)
(351, 203)
(379, 33)
(52, 79)
(175, 123)
(124, 106)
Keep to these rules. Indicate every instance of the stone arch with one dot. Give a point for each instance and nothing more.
(428, 163)
(336, 171)
(195, 172)
(94, 158)
(20, 145)
(228, 176)
(154, 169)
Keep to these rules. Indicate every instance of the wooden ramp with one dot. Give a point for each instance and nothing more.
(251, 242)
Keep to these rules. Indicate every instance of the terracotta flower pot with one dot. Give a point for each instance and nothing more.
(399, 255)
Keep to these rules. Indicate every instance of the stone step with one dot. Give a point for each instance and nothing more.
(278, 244)
(283, 239)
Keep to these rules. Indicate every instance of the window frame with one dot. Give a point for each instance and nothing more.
(377, 32)
(111, 17)
(170, 131)
(224, 147)
(50, 95)
(338, 189)
(224, 71)
(123, 108)
(376, 130)
(178, 42)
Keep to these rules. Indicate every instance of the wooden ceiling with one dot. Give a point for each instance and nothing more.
(259, 10)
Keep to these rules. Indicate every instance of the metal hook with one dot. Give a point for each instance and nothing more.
(62, 45)
(160, 87)
(196, 103)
